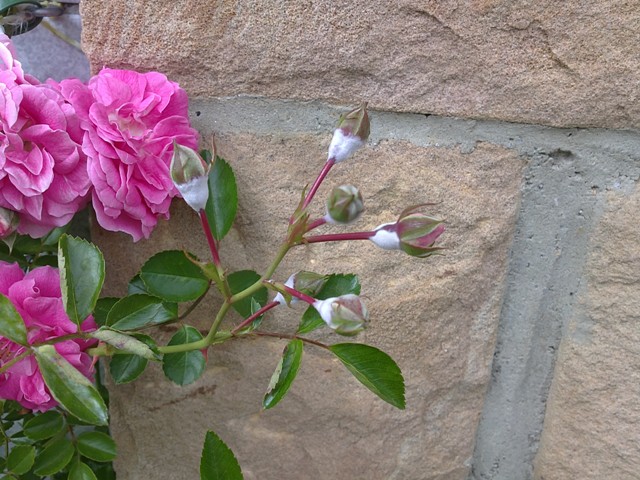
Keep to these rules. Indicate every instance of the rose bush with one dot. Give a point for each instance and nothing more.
(130, 121)
(37, 297)
(43, 173)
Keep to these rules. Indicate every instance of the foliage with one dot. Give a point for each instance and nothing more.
(64, 433)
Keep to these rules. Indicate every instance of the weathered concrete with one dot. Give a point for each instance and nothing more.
(593, 408)
(570, 63)
(44, 55)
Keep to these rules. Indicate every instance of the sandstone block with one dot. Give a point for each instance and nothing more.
(570, 63)
(592, 425)
(436, 318)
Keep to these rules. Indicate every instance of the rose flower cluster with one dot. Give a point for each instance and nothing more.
(109, 142)
(63, 145)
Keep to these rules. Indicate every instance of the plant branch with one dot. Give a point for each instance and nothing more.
(253, 316)
(285, 336)
(338, 237)
(321, 176)
(206, 228)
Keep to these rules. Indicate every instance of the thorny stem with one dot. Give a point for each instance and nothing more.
(210, 240)
(314, 188)
(253, 316)
(193, 306)
(316, 223)
(338, 237)
(259, 333)
(302, 296)
(204, 342)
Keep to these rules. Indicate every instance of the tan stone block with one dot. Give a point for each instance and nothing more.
(592, 425)
(437, 318)
(570, 63)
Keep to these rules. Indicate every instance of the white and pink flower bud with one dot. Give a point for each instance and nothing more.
(347, 314)
(344, 205)
(190, 175)
(414, 233)
(350, 135)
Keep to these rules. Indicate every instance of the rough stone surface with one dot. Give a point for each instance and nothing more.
(570, 63)
(437, 318)
(592, 426)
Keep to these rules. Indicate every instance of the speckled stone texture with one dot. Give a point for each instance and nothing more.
(569, 63)
(592, 426)
(437, 318)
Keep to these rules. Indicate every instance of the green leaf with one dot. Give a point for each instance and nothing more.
(97, 446)
(136, 285)
(336, 285)
(127, 367)
(103, 307)
(184, 368)
(223, 198)
(124, 342)
(81, 471)
(374, 369)
(139, 311)
(218, 461)
(73, 391)
(239, 281)
(11, 323)
(44, 425)
(81, 267)
(55, 456)
(284, 375)
(171, 276)
(21, 458)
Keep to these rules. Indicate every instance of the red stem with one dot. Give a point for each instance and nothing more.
(302, 296)
(338, 237)
(314, 188)
(316, 223)
(251, 318)
(212, 242)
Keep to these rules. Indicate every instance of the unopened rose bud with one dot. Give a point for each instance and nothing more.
(8, 222)
(309, 283)
(344, 204)
(190, 175)
(414, 233)
(351, 134)
(347, 315)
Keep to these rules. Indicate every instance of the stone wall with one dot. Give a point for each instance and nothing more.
(520, 346)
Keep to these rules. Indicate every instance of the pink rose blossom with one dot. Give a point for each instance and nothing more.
(130, 121)
(43, 173)
(37, 298)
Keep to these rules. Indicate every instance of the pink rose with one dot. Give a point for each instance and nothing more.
(130, 121)
(37, 298)
(42, 167)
